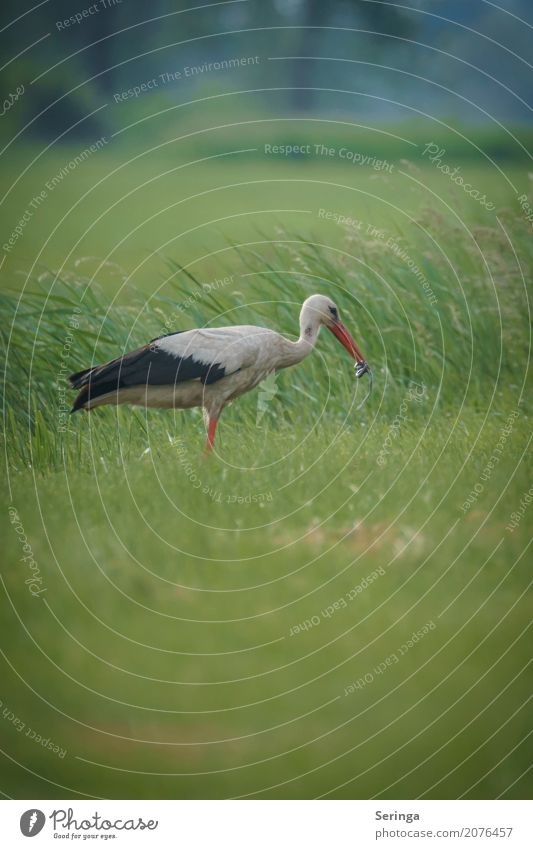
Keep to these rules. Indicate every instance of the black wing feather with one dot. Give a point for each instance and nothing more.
(146, 365)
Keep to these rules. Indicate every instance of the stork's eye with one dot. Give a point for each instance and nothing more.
(334, 313)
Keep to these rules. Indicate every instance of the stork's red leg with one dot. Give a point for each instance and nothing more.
(210, 436)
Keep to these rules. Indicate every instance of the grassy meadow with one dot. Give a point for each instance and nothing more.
(334, 604)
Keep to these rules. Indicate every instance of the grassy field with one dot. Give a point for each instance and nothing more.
(122, 211)
(336, 603)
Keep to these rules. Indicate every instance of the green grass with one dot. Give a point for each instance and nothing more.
(168, 613)
(467, 344)
(120, 213)
(160, 656)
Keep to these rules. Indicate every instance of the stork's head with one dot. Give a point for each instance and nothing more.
(318, 310)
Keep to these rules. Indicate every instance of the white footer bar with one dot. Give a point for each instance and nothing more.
(266, 824)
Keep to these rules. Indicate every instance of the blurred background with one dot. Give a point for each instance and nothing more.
(395, 59)
(182, 86)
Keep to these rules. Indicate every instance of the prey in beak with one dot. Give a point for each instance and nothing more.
(361, 366)
(339, 330)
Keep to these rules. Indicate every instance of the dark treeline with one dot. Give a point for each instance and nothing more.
(87, 51)
(105, 46)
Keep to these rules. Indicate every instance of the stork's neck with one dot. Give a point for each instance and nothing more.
(309, 330)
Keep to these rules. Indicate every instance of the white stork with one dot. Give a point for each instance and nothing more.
(207, 367)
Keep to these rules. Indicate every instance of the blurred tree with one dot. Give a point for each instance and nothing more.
(125, 42)
(315, 15)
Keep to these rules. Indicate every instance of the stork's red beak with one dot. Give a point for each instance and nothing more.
(344, 337)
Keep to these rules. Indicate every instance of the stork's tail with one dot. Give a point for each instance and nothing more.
(81, 380)
(81, 400)
(95, 382)
(79, 377)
